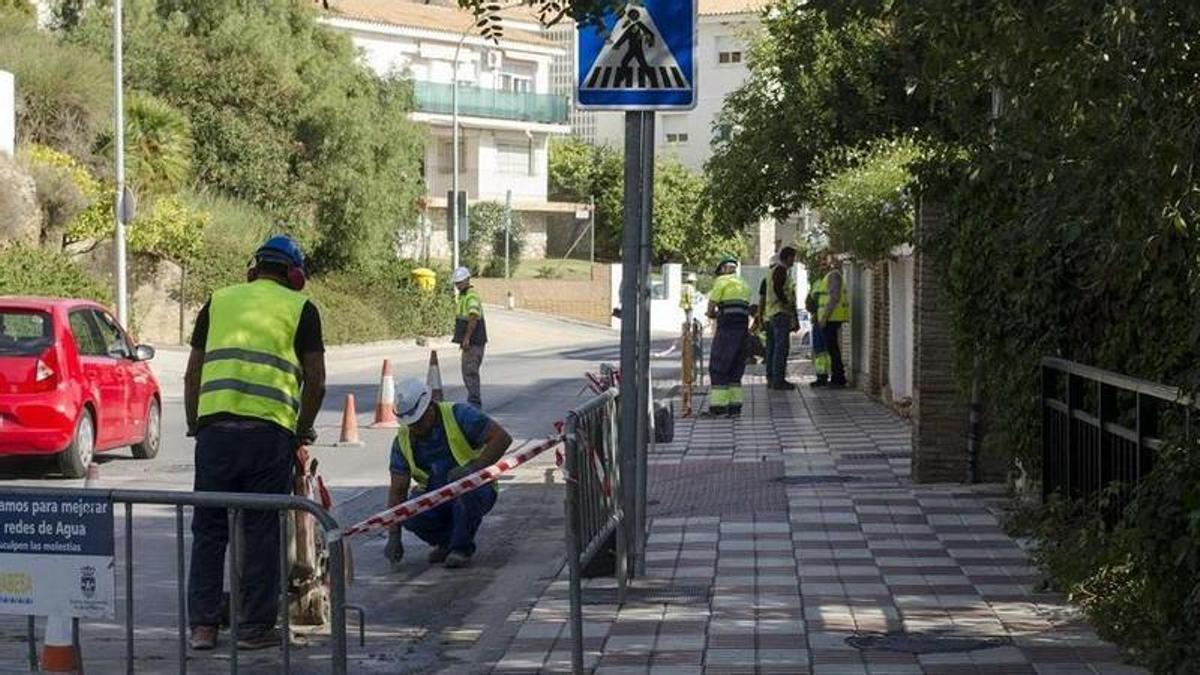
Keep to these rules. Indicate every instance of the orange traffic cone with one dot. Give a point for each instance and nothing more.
(434, 379)
(58, 648)
(385, 415)
(349, 426)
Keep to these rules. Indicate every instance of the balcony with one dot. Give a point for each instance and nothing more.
(431, 97)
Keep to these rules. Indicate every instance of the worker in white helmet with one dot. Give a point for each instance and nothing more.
(437, 445)
(470, 333)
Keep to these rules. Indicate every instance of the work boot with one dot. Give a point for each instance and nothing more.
(203, 638)
(438, 555)
(783, 386)
(735, 411)
(457, 560)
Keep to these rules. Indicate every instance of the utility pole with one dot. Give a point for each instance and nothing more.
(507, 230)
(592, 227)
(121, 210)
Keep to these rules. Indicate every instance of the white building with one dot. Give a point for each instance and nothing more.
(723, 34)
(507, 110)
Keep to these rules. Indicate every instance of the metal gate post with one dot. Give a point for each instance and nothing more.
(571, 443)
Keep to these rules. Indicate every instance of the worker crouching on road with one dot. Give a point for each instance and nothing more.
(254, 384)
(470, 333)
(729, 304)
(439, 443)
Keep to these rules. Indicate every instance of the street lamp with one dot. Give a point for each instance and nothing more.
(454, 214)
(122, 210)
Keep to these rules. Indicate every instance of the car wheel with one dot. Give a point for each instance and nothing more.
(74, 461)
(148, 448)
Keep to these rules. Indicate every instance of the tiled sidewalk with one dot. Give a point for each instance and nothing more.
(792, 541)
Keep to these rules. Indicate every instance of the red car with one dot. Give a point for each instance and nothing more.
(73, 384)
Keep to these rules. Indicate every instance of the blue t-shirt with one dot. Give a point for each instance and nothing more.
(432, 453)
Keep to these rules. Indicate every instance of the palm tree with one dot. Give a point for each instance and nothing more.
(158, 145)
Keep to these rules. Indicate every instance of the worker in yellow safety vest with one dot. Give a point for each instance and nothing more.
(833, 311)
(729, 306)
(254, 384)
(439, 443)
(470, 333)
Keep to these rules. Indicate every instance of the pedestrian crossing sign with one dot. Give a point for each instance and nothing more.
(641, 58)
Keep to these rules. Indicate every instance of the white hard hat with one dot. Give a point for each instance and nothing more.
(412, 400)
(461, 274)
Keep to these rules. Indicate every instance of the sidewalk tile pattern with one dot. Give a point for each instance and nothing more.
(814, 535)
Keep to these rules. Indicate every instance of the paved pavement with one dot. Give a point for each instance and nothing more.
(793, 541)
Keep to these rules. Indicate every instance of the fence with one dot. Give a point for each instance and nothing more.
(1102, 431)
(593, 505)
(235, 505)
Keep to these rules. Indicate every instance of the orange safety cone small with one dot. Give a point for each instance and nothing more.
(385, 415)
(434, 379)
(58, 647)
(349, 437)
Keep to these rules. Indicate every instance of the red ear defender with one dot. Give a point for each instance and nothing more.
(296, 278)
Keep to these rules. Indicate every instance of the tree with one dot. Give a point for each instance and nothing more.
(158, 145)
(283, 114)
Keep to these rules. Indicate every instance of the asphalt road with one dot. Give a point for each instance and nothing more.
(420, 618)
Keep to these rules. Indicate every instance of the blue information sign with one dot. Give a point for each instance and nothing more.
(642, 58)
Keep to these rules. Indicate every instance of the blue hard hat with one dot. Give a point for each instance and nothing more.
(281, 249)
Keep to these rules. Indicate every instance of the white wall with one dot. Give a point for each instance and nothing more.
(900, 317)
(8, 113)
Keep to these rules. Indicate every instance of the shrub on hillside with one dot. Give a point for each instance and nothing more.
(31, 271)
(75, 205)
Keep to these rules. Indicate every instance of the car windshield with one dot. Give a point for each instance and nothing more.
(24, 332)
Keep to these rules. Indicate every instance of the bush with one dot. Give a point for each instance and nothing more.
(483, 252)
(64, 92)
(75, 204)
(158, 145)
(29, 271)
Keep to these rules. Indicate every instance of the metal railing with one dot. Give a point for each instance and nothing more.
(433, 97)
(235, 505)
(1102, 431)
(593, 502)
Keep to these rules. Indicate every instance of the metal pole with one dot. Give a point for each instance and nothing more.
(129, 588)
(630, 258)
(454, 151)
(181, 589)
(643, 382)
(507, 229)
(119, 156)
(573, 545)
(592, 227)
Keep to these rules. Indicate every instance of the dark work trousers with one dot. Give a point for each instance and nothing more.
(780, 331)
(453, 525)
(259, 460)
(831, 332)
(727, 363)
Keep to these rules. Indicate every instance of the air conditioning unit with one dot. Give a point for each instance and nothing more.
(495, 59)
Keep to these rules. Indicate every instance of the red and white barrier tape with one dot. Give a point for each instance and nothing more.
(402, 512)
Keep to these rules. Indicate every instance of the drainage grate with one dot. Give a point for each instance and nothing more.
(674, 595)
(815, 480)
(924, 643)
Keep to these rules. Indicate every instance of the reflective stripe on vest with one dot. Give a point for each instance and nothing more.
(460, 449)
(250, 363)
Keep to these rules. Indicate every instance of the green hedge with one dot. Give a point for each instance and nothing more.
(31, 271)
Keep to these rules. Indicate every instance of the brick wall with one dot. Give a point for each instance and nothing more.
(877, 369)
(586, 300)
(939, 407)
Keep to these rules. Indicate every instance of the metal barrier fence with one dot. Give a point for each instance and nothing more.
(593, 502)
(1102, 431)
(235, 504)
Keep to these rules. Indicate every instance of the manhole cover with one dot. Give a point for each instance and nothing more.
(815, 480)
(661, 596)
(924, 643)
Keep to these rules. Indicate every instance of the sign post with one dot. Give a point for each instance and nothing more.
(641, 59)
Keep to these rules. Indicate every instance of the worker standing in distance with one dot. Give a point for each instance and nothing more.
(436, 445)
(254, 383)
(729, 305)
(687, 296)
(470, 333)
(833, 311)
(780, 314)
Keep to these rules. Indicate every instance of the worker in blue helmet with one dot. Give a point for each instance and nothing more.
(729, 306)
(255, 381)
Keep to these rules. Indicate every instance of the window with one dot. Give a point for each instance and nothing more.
(517, 84)
(111, 336)
(87, 339)
(729, 52)
(677, 138)
(446, 156)
(514, 159)
(24, 333)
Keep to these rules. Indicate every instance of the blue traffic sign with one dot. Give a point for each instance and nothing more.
(642, 58)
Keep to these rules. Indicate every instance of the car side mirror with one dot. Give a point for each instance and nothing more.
(143, 353)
